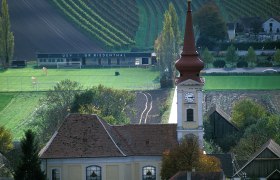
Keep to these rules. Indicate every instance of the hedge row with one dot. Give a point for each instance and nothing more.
(255, 45)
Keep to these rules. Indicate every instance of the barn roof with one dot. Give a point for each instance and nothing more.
(270, 145)
(89, 136)
(221, 113)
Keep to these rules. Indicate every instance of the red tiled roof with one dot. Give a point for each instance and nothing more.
(89, 136)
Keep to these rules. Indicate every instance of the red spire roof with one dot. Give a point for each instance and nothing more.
(189, 65)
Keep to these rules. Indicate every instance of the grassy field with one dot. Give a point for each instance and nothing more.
(15, 114)
(242, 82)
(129, 78)
(16, 107)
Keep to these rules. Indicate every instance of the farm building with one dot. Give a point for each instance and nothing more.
(264, 164)
(98, 59)
(220, 124)
(272, 25)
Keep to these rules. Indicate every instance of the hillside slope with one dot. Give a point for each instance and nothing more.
(38, 27)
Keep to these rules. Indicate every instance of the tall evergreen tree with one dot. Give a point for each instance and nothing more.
(207, 57)
(167, 47)
(276, 56)
(6, 36)
(231, 55)
(29, 166)
(251, 56)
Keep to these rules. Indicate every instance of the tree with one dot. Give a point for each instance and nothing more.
(108, 103)
(175, 27)
(276, 56)
(211, 25)
(6, 140)
(6, 37)
(251, 56)
(167, 46)
(231, 55)
(207, 57)
(6, 146)
(256, 135)
(29, 167)
(54, 107)
(186, 157)
(247, 112)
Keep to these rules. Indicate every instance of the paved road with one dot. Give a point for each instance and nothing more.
(240, 70)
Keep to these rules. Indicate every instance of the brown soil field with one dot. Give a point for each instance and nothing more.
(225, 100)
(39, 27)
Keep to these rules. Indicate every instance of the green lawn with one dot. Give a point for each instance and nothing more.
(17, 107)
(129, 78)
(17, 111)
(242, 82)
(5, 99)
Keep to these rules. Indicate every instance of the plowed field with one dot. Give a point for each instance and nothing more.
(39, 27)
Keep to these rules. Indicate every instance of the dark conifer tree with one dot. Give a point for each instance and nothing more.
(29, 166)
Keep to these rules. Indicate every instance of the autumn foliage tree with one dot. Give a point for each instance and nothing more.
(167, 47)
(6, 140)
(186, 157)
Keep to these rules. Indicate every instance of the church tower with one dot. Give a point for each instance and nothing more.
(189, 86)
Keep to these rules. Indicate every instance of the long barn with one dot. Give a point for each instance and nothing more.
(98, 59)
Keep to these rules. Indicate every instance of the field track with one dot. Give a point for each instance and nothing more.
(39, 27)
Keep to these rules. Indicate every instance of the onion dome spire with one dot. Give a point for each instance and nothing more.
(189, 65)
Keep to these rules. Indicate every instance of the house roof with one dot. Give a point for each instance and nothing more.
(183, 175)
(89, 136)
(271, 145)
(276, 18)
(231, 26)
(226, 163)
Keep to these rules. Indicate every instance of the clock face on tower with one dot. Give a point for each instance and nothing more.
(189, 97)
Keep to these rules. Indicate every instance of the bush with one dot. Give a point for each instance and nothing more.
(242, 64)
(219, 63)
(264, 63)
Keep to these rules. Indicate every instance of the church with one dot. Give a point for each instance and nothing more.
(86, 147)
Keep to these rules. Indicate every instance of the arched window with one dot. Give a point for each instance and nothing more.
(149, 173)
(189, 114)
(93, 173)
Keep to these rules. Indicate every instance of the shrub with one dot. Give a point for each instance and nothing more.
(242, 64)
(264, 63)
(219, 63)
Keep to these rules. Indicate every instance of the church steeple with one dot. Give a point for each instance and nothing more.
(189, 87)
(189, 65)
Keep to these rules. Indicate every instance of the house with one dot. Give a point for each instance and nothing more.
(231, 31)
(263, 164)
(86, 146)
(272, 25)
